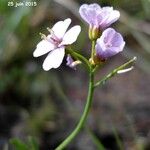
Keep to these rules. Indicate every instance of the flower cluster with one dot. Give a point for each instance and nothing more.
(108, 41)
(99, 19)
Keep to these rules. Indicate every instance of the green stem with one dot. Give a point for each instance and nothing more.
(93, 49)
(84, 115)
(78, 56)
(114, 72)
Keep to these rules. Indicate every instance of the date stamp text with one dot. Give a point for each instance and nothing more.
(22, 4)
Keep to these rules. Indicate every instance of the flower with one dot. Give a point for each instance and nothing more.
(56, 42)
(109, 44)
(71, 63)
(98, 17)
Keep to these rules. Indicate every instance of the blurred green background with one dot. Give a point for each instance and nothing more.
(47, 105)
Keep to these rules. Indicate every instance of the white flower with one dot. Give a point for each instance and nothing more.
(55, 43)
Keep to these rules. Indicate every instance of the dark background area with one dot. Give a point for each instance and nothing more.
(47, 105)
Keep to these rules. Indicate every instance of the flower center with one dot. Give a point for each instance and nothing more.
(108, 45)
(53, 38)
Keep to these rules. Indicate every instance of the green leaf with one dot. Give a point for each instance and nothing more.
(18, 144)
(118, 140)
(33, 143)
(95, 139)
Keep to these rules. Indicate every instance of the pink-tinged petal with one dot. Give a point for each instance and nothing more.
(42, 48)
(54, 59)
(108, 35)
(122, 45)
(60, 28)
(98, 20)
(84, 14)
(107, 9)
(89, 13)
(117, 40)
(106, 53)
(71, 35)
(95, 6)
(111, 51)
(113, 17)
(107, 14)
(99, 48)
(98, 17)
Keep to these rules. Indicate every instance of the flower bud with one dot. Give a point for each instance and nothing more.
(71, 63)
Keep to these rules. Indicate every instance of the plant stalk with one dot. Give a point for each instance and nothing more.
(84, 115)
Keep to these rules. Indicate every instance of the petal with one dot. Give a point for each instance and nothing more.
(109, 16)
(121, 47)
(60, 28)
(71, 35)
(99, 19)
(54, 59)
(112, 38)
(111, 52)
(105, 53)
(69, 60)
(83, 13)
(95, 6)
(105, 12)
(89, 13)
(108, 35)
(117, 40)
(107, 9)
(99, 48)
(100, 45)
(42, 48)
(113, 17)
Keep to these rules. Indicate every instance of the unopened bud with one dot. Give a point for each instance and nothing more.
(71, 63)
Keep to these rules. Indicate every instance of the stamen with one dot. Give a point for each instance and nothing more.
(43, 36)
(54, 37)
(50, 30)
